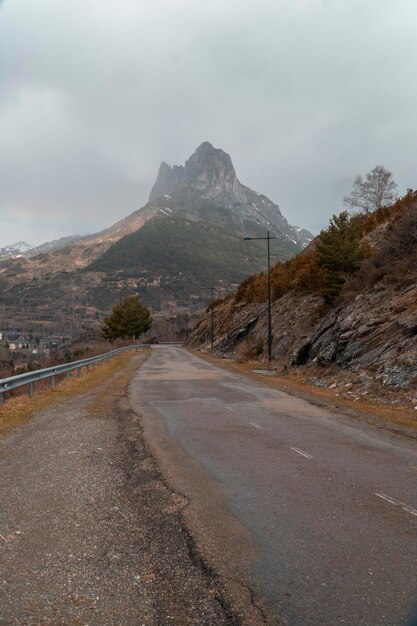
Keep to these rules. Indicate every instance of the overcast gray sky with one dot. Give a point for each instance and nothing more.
(303, 94)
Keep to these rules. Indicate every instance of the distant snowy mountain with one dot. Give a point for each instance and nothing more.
(23, 249)
(15, 250)
(49, 246)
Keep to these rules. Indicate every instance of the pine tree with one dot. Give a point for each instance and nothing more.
(340, 251)
(127, 319)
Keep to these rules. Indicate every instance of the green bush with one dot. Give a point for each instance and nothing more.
(127, 319)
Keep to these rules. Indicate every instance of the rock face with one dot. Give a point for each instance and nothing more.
(378, 332)
(208, 170)
(207, 188)
(375, 335)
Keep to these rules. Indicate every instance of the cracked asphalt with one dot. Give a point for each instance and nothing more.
(313, 511)
(90, 532)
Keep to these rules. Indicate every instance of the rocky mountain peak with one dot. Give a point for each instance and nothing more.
(206, 188)
(205, 158)
(209, 170)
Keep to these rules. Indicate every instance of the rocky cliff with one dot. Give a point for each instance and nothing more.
(207, 188)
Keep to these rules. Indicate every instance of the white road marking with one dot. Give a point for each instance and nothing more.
(405, 507)
(305, 454)
(255, 425)
(386, 498)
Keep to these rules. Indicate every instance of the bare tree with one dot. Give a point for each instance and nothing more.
(376, 190)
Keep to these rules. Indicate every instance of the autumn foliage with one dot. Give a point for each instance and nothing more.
(301, 272)
(339, 253)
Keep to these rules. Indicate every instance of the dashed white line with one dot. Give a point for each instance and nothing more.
(255, 425)
(405, 507)
(386, 498)
(304, 454)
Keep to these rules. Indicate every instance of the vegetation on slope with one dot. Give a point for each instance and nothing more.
(344, 258)
(174, 245)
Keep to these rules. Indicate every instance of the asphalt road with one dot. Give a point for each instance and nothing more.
(328, 504)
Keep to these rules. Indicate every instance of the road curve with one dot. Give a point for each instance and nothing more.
(329, 503)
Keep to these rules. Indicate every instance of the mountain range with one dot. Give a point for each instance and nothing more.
(189, 233)
(25, 250)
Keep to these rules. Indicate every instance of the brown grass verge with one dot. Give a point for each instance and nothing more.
(18, 410)
(401, 415)
(104, 401)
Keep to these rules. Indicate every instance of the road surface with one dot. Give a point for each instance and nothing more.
(316, 511)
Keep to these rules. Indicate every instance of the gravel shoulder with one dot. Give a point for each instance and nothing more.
(90, 532)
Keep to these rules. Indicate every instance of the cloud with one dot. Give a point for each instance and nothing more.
(93, 95)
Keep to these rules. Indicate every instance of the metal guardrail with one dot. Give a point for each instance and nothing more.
(30, 378)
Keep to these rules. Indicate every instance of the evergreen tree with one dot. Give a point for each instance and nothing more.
(340, 251)
(127, 319)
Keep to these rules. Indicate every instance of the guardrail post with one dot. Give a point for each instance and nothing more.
(67, 374)
(53, 382)
(80, 374)
(1, 397)
(30, 390)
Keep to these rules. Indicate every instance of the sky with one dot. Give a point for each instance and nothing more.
(303, 94)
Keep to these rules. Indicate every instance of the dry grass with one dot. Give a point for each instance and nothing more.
(402, 414)
(18, 410)
(102, 402)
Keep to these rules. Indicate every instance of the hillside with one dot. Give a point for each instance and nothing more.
(172, 246)
(370, 330)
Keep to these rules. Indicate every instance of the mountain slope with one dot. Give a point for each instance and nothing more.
(173, 246)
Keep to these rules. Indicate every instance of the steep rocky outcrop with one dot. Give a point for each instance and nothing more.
(207, 188)
(376, 334)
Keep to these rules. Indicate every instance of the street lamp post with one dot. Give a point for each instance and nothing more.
(212, 317)
(268, 239)
(212, 314)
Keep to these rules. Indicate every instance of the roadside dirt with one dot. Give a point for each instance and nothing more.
(90, 532)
